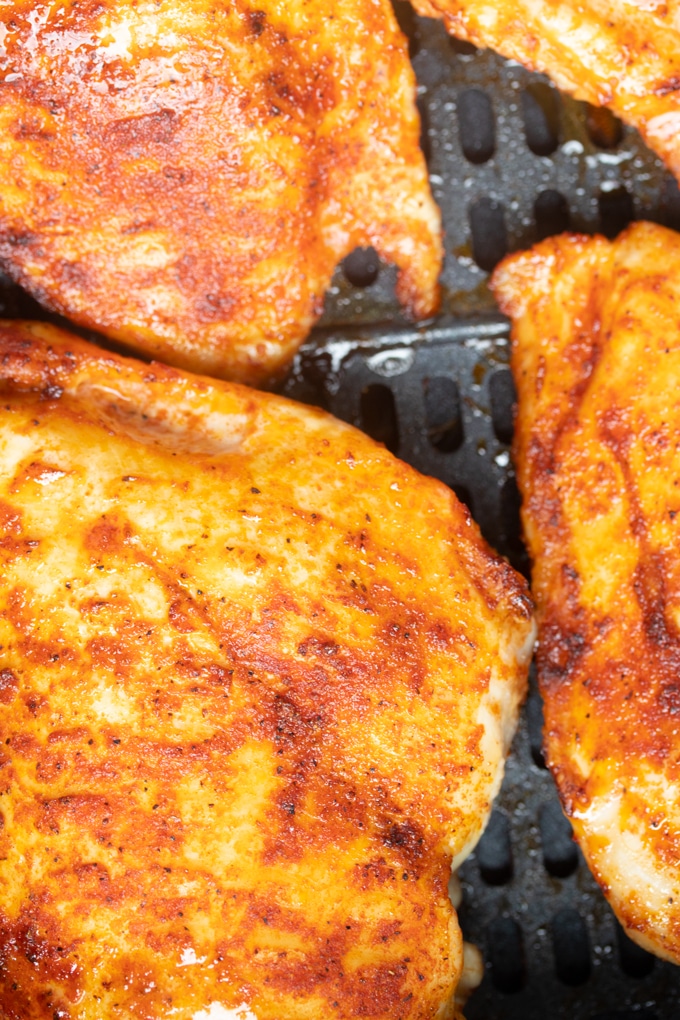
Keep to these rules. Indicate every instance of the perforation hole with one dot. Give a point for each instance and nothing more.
(551, 213)
(502, 396)
(560, 856)
(541, 113)
(489, 236)
(616, 211)
(379, 415)
(443, 414)
(670, 203)
(406, 19)
(477, 125)
(510, 503)
(462, 47)
(507, 963)
(534, 718)
(425, 143)
(604, 129)
(635, 962)
(361, 267)
(571, 947)
(494, 851)
(464, 495)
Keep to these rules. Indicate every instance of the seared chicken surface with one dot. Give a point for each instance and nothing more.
(185, 176)
(257, 681)
(596, 360)
(625, 56)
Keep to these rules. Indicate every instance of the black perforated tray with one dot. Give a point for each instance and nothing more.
(511, 161)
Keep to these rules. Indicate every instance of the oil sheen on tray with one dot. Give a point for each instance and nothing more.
(184, 177)
(596, 360)
(257, 682)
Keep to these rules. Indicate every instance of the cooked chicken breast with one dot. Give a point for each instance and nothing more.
(623, 56)
(257, 682)
(596, 359)
(184, 177)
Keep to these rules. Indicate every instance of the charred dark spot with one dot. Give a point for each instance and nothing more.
(408, 838)
(559, 651)
(257, 21)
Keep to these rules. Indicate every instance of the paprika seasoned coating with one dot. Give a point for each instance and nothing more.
(625, 56)
(596, 360)
(185, 176)
(257, 681)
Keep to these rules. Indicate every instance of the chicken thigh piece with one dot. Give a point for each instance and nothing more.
(625, 56)
(596, 360)
(257, 682)
(184, 177)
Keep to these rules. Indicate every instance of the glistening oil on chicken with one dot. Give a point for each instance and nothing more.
(249, 719)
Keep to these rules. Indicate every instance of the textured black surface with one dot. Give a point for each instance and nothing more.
(511, 161)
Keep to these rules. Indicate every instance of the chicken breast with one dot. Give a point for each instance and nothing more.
(257, 682)
(596, 360)
(625, 56)
(184, 177)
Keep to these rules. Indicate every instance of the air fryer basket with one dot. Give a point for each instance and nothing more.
(511, 161)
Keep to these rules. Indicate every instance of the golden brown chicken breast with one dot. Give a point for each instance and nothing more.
(596, 359)
(184, 177)
(257, 681)
(625, 56)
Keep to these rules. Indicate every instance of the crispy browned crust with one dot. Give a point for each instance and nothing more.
(622, 56)
(596, 360)
(184, 176)
(257, 679)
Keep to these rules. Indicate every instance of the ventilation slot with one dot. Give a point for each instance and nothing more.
(502, 396)
(616, 211)
(551, 214)
(505, 954)
(494, 852)
(464, 495)
(571, 947)
(534, 717)
(425, 143)
(489, 237)
(406, 19)
(670, 203)
(442, 414)
(604, 129)
(635, 962)
(361, 267)
(541, 112)
(476, 125)
(379, 415)
(510, 504)
(462, 47)
(560, 855)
